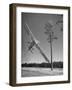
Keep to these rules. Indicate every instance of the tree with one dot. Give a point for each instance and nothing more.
(51, 37)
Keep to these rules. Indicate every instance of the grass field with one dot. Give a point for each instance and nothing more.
(32, 71)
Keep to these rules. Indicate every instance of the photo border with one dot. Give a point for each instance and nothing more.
(12, 63)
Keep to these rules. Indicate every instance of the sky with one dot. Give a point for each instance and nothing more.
(36, 23)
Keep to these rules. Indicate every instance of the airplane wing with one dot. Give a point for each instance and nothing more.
(31, 34)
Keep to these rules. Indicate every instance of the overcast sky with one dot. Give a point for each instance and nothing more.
(36, 23)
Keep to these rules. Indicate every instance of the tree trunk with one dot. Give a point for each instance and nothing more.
(51, 52)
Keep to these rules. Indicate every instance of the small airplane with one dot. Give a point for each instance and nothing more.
(34, 42)
(30, 46)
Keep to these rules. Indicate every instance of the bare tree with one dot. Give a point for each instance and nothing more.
(50, 34)
(59, 22)
(50, 38)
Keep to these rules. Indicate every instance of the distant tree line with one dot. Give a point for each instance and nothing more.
(44, 65)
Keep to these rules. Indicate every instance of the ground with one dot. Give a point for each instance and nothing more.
(31, 71)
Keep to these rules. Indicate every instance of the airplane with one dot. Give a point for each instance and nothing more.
(31, 45)
(35, 43)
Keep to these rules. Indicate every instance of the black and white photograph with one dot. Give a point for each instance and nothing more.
(42, 44)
